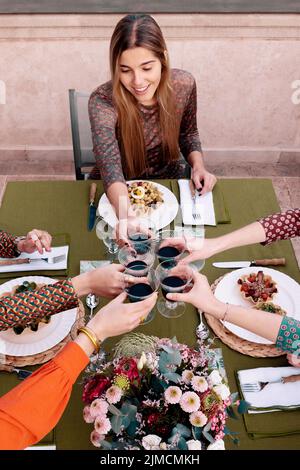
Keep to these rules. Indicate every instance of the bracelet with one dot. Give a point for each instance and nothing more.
(226, 311)
(92, 337)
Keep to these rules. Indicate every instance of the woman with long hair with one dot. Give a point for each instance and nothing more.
(145, 116)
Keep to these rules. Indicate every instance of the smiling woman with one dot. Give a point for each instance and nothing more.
(144, 120)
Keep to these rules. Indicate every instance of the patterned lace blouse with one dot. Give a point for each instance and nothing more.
(288, 338)
(103, 118)
(281, 226)
(25, 307)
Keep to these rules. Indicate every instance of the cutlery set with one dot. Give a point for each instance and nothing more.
(258, 386)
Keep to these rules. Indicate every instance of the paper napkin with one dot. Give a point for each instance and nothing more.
(204, 206)
(275, 396)
(38, 263)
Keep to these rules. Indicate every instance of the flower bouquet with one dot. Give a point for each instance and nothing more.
(157, 394)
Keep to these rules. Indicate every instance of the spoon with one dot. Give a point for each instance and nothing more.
(202, 331)
(91, 301)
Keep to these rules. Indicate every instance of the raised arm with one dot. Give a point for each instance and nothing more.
(33, 408)
(267, 230)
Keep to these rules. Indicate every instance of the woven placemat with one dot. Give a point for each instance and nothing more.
(20, 361)
(235, 342)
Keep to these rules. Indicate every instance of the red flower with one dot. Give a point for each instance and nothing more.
(94, 388)
(127, 367)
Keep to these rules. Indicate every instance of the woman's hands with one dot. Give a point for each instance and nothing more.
(203, 180)
(201, 297)
(108, 281)
(35, 240)
(117, 318)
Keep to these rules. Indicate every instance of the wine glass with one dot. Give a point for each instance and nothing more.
(107, 235)
(194, 237)
(142, 236)
(173, 277)
(136, 263)
(169, 246)
(144, 286)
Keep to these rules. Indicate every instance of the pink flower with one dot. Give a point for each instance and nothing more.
(199, 384)
(96, 438)
(98, 407)
(190, 402)
(173, 395)
(88, 418)
(187, 376)
(113, 394)
(198, 419)
(102, 425)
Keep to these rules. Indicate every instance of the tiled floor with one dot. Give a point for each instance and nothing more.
(285, 178)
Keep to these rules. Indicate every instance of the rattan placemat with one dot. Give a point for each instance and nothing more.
(235, 342)
(20, 361)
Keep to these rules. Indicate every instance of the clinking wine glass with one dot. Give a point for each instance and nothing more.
(173, 278)
(142, 236)
(107, 235)
(136, 263)
(144, 286)
(169, 246)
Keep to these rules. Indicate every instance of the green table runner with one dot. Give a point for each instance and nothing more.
(62, 207)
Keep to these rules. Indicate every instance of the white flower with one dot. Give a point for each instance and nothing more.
(214, 378)
(217, 445)
(151, 442)
(193, 445)
(198, 419)
(173, 395)
(222, 391)
(142, 361)
(199, 384)
(187, 376)
(189, 402)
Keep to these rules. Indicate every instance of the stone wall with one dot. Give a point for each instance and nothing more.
(246, 67)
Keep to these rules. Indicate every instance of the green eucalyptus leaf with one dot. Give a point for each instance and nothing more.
(243, 406)
(105, 445)
(173, 377)
(116, 423)
(114, 410)
(182, 445)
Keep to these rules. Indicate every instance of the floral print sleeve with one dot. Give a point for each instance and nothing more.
(23, 308)
(288, 338)
(103, 118)
(189, 140)
(8, 245)
(281, 226)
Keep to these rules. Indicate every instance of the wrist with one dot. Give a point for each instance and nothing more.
(82, 284)
(219, 310)
(20, 243)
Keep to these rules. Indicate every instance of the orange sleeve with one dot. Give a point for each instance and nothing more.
(30, 410)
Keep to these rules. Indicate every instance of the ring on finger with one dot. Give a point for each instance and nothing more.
(127, 278)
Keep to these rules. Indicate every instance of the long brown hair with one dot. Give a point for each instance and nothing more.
(142, 31)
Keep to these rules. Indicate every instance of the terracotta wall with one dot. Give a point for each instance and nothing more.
(247, 69)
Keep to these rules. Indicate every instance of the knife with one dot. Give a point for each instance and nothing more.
(247, 264)
(21, 373)
(92, 207)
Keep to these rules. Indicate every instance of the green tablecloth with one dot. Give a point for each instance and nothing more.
(62, 207)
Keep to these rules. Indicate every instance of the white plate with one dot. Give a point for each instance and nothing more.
(288, 297)
(48, 335)
(161, 217)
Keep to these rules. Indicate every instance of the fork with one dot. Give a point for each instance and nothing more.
(194, 197)
(259, 386)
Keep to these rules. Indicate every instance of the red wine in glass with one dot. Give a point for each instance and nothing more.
(170, 283)
(138, 292)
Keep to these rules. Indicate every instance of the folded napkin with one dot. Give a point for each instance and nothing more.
(274, 396)
(86, 266)
(211, 206)
(38, 261)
